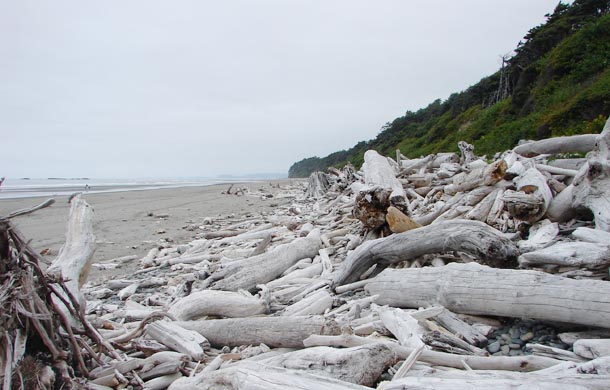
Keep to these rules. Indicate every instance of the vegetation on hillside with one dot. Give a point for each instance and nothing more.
(556, 83)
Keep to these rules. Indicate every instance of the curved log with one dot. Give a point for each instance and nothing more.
(217, 303)
(479, 290)
(473, 237)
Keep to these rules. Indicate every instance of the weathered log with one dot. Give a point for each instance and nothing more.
(316, 303)
(461, 329)
(534, 183)
(317, 185)
(378, 172)
(592, 183)
(541, 235)
(271, 331)
(473, 237)
(360, 365)
(570, 144)
(561, 209)
(246, 274)
(473, 383)
(509, 363)
(570, 254)
(467, 151)
(475, 289)
(217, 303)
(172, 335)
(484, 176)
(591, 235)
(30, 210)
(74, 260)
(592, 348)
(256, 376)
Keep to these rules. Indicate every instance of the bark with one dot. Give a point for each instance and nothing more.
(472, 237)
(217, 303)
(272, 331)
(479, 290)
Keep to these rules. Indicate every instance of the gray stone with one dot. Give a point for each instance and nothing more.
(527, 336)
(514, 346)
(515, 352)
(494, 347)
(505, 349)
(506, 337)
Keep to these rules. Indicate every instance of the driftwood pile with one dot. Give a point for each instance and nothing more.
(443, 272)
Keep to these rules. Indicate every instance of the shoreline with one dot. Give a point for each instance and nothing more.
(132, 222)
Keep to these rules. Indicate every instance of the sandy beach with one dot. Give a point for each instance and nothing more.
(132, 222)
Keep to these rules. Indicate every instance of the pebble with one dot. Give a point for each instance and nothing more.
(514, 346)
(505, 349)
(494, 347)
(527, 336)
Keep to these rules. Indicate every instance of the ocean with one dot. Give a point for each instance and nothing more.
(27, 188)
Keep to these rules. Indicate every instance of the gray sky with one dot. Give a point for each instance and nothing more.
(200, 88)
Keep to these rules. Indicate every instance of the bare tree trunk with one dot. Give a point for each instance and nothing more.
(475, 289)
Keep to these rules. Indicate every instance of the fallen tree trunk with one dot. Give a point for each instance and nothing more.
(472, 237)
(473, 383)
(217, 303)
(379, 172)
(246, 274)
(570, 254)
(484, 176)
(317, 185)
(571, 144)
(272, 331)
(360, 365)
(475, 289)
(256, 376)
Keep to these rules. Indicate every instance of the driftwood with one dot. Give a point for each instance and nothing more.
(379, 172)
(570, 144)
(256, 376)
(479, 290)
(30, 210)
(246, 274)
(571, 254)
(272, 331)
(360, 365)
(317, 184)
(484, 176)
(592, 348)
(472, 237)
(217, 303)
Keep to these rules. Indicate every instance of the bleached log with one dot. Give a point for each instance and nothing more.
(592, 183)
(570, 144)
(172, 335)
(473, 237)
(30, 210)
(217, 303)
(162, 382)
(74, 260)
(149, 260)
(256, 376)
(253, 235)
(467, 151)
(360, 365)
(556, 170)
(405, 328)
(591, 235)
(444, 158)
(555, 353)
(135, 364)
(509, 363)
(246, 274)
(481, 210)
(272, 331)
(534, 183)
(317, 185)
(484, 176)
(561, 209)
(570, 254)
(475, 289)
(592, 348)
(309, 272)
(461, 329)
(316, 303)
(378, 172)
(570, 338)
(472, 383)
(416, 163)
(568, 163)
(541, 235)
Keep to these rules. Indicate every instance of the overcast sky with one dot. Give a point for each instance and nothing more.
(199, 88)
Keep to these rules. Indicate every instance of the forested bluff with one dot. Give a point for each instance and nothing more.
(556, 83)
